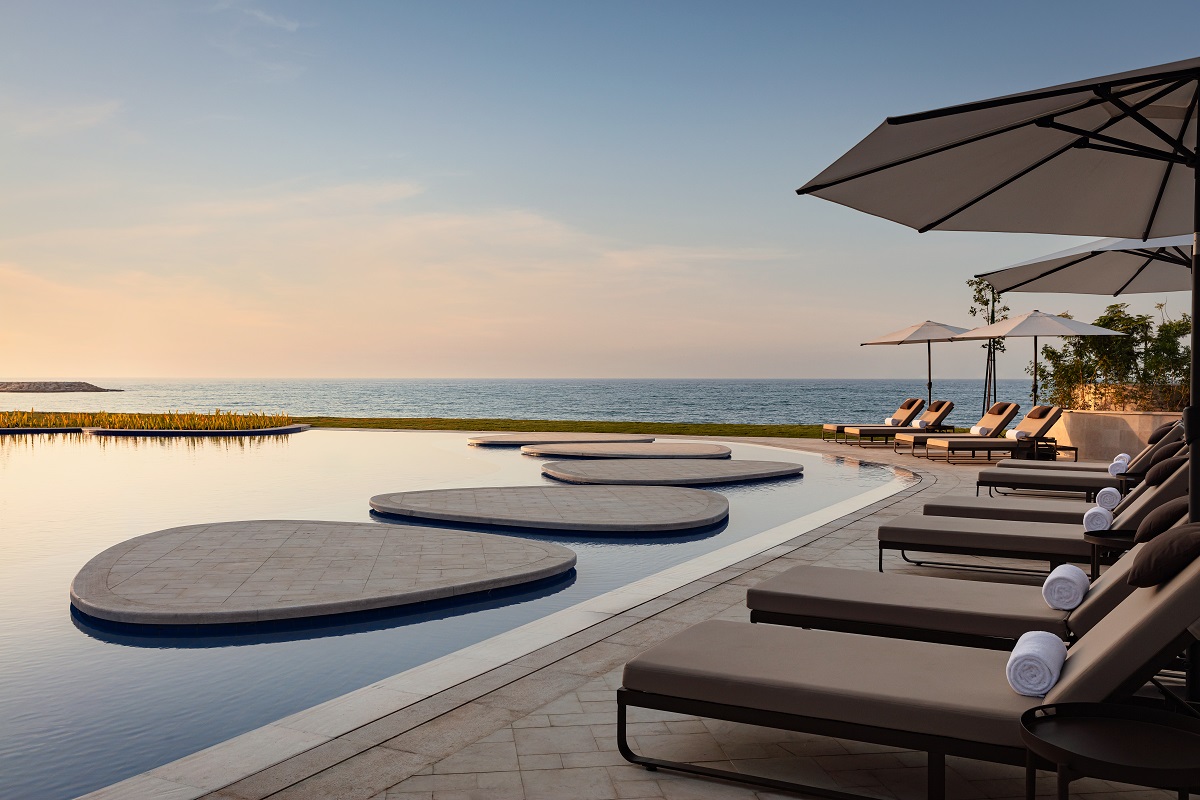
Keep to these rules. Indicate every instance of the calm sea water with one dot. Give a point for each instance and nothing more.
(783, 402)
(84, 704)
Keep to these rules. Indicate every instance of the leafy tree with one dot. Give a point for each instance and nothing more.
(1145, 370)
(986, 303)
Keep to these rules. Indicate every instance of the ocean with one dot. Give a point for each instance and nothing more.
(779, 401)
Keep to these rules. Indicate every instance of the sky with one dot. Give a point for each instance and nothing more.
(499, 189)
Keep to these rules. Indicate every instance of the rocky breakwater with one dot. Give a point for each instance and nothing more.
(32, 387)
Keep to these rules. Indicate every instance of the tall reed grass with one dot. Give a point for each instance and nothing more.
(171, 421)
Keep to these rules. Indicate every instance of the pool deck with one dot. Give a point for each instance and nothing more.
(531, 714)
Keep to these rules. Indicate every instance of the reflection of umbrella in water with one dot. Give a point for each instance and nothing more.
(1035, 324)
(1108, 156)
(1109, 266)
(926, 332)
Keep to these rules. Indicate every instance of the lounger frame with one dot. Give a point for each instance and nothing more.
(935, 747)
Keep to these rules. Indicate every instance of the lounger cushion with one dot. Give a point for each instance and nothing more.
(1034, 509)
(913, 530)
(1166, 556)
(1049, 480)
(1161, 519)
(1037, 412)
(1163, 453)
(909, 403)
(938, 405)
(1158, 474)
(1158, 433)
(889, 683)
(1003, 610)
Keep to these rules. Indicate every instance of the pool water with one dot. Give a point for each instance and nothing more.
(84, 704)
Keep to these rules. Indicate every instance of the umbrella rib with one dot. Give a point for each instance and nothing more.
(1176, 144)
(1162, 186)
(1125, 285)
(1138, 84)
(1043, 161)
(1133, 147)
(1047, 273)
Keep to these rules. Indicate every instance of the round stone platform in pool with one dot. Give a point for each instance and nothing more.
(264, 570)
(597, 509)
(677, 472)
(630, 450)
(521, 439)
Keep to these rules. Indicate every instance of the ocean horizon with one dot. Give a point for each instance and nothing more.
(765, 401)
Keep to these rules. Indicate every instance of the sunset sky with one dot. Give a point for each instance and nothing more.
(498, 189)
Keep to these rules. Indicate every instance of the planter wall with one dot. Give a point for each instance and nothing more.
(1100, 435)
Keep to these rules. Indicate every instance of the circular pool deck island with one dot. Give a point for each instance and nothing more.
(262, 570)
(628, 450)
(521, 439)
(675, 472)
(596, 509)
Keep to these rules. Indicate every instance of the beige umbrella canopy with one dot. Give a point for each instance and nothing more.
(1109, 156)
(1109, 266)
(925, 332)
(1035, 324)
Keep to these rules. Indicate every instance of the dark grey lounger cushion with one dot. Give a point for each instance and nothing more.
(868, 680)
(1158, 474)
(1077, 480)
(1166, 556)
(1033, 509)
(1162, 519)
(979, 608)
(914, 530)
(1158, 433)
(1163, 453)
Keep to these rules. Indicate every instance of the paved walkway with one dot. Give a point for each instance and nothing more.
(542, 725)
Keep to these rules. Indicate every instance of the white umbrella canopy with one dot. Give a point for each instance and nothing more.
(922, 332)
(1035, 324)
(1108, 266)
(1109, 156)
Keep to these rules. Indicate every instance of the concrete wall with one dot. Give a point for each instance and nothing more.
(1100, 435)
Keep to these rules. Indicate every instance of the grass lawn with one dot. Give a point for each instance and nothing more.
(570, 426)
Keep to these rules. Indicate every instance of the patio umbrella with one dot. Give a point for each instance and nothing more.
(927, 332)
(1108, 156)
(1108, 266)
(1035, 324)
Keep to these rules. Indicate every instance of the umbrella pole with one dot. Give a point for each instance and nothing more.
(929, 373)
(1189, 414)
(1035, 371)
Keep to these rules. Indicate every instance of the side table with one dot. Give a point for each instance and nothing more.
(1128, 744)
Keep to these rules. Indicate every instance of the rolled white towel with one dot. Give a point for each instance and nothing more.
(1108, 497)
(1065, 587)
(980, 430)
(1117, 468)
(1097, 519)
(1123, 457)
(1015, 434)
(1035, 664)
(920, 423)
(891, 421)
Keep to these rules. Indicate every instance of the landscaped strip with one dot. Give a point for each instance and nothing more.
(171, 421)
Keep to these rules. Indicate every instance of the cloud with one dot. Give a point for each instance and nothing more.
(348, 280)
(45, 121)
(271, 20)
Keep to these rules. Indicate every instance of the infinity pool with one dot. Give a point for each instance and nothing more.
(84, 704)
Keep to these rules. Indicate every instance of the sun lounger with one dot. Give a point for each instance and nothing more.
(1082, 481)
(904, 415)
(934, 419)
(937, 698)
(1169, 436)
(967, 613)
(1022, 508)
(1033, 430)
(995, 420)
(1040, 541)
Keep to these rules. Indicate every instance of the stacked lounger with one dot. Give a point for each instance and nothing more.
(933, 419)
(994, 422)
(903, 416)
(1025, 437)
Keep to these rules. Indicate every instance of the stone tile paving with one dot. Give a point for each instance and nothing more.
(543, 726)
(277, 569)
(581, 508)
